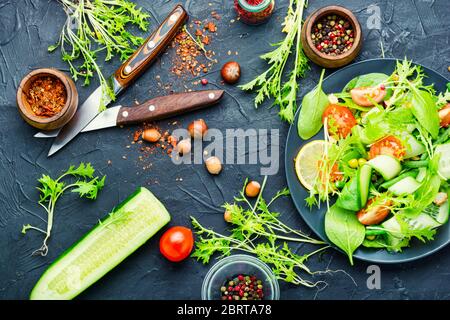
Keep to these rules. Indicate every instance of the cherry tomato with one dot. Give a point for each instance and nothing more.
(444, 115)
(176, 243)
(375, 214)
(365, 96)
(390, 146)
(340, 120)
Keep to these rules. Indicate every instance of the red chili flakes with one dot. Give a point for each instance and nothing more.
(205, 40)
(211, 27)
(198, 33)
(46, 96)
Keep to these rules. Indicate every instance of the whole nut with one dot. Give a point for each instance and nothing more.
(252, 189)
(184, 146)
(197, 129)
(227, 216)
(213, 165)
(151, 135)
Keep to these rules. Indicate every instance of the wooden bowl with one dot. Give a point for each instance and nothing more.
(323, 59)
(59, 119)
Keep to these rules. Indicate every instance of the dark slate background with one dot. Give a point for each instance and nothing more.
(417, 29)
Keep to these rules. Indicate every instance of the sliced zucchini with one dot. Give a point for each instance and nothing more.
(389, 167)
(443, 151)
(413, 147)
(364, 178)
(128, 227)
(422, 174)
(407, 185)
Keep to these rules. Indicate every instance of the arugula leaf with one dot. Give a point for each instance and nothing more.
(424, 109)
(313, 106)
(269, 83)
(52, 189)
(344, 230)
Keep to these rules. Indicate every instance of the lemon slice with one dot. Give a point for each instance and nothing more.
(306, 162)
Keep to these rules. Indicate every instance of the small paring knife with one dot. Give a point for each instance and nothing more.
(151, 110)
(129, 71)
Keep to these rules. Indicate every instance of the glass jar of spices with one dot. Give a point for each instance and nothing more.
(254, 12)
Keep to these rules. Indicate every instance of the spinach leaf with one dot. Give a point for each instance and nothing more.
(424, 109)
(313, 106)
(366, 80)
(349, 198)
(344, 230)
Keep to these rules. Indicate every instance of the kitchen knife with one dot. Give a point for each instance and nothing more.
(151, 110)
(127, 72)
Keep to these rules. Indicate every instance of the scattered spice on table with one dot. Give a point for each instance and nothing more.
(46, 96)
(191, 49)
(333, 35)
(243, 287)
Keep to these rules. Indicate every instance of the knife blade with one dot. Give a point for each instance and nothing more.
(152, 110)
(127, 72)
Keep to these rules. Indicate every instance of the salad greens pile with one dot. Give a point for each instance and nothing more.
(86, 185)
(257, 230)
(270, 83)
(93, 26)
(387, 160)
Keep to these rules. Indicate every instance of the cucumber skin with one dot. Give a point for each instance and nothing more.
(115, 209)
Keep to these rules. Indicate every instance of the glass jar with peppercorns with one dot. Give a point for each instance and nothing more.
(254, 12)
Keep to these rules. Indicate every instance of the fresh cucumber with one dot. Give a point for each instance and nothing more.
(422, 174)
(407, 185)
(389, 167)
(387, 184)
(128, 227)
(413, 147)
(443, 150)
(364, 178)
(438, 213)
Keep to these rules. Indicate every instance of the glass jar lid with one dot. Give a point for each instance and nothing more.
(252, 8)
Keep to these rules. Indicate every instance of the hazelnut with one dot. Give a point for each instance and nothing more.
(227, 216)
(184, 146)
(151, 135)
(213, 165)
(252, 189)
(197, 129)
(231, 72)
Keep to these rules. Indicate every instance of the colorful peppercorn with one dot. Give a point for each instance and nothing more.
(333, 35)
(242, 287)
(254, 12)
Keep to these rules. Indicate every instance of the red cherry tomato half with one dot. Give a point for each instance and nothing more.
(444, 116)
(365, 96)
(176, 243)
(340, 120)
(390, 146)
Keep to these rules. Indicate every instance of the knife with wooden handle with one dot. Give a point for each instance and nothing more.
(155, 109)
(127, 72)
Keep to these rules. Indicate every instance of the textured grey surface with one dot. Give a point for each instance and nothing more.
(417, 29)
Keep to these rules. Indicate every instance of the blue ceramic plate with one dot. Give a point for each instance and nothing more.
(315, 217)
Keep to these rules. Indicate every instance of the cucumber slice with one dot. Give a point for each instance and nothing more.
(443, 213)
(423, 221)
(422, 174)
(128, 227)
(407, 185)
(364, 178)
(413, 147)
(389, 167)
(443, 150)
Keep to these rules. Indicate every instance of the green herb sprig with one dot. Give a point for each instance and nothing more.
(269, 83)
(93, 26)
(257, 230)
(87, 186)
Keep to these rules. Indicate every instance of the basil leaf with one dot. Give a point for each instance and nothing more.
(424, 109)
(349, 198)
(366, 80)
(344, 230)
(313, 106)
